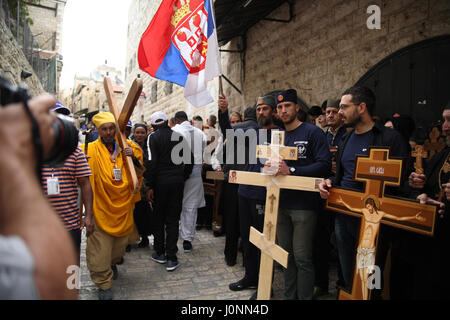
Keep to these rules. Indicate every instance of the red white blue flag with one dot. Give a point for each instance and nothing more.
(180, 46)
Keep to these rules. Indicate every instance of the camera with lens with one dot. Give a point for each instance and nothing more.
(66, 134)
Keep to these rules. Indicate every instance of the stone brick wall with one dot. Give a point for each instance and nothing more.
(13, 61)
(48, 23)
(326, 48)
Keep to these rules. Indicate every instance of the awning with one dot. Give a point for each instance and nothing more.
(235, 17)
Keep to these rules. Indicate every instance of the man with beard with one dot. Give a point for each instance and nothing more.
(113, 203)
(251, 199)
(356, 106)
(424, 257)
(297, 215)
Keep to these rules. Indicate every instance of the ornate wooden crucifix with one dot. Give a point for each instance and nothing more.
(266, 241)
(436, 143)
(122, 119)
(419, 153)
(377, 170)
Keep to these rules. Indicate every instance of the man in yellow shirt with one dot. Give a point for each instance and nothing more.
(113, 203)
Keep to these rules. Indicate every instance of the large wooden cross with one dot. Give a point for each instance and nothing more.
(122, 120)
(377, 170)
(215, 189)
(266, 241)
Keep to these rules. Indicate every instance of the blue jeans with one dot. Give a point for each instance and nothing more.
(346, 229)
(295, 234)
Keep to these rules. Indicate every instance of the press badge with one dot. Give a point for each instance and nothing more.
(117, 174)
(53, 186)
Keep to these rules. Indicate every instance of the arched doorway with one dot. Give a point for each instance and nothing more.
(414, 80)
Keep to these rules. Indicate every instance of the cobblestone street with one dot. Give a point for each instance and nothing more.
(202, 275)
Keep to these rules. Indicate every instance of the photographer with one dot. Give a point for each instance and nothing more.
(28, 226)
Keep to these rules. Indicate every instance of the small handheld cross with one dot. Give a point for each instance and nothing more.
(419, 153)
(122, 119)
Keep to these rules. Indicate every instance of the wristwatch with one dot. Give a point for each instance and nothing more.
(292, 170)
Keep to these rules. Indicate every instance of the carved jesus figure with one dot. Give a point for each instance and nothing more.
(365, 256)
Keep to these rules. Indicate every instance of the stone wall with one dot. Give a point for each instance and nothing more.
(13, 61)
(48, 19)
(326, 48)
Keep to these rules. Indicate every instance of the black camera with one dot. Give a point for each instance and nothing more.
(66, 134)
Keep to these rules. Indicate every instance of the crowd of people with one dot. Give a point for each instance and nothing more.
(171, 156)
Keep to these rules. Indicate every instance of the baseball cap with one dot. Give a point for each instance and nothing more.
(60, 108)
(158, 118)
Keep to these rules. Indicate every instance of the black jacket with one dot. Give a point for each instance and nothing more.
(382, 137)
(160, 166)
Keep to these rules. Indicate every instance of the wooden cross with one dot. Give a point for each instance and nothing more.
(122, 120)
(266, 241)
(377, 170)
(215, 191)
(436, 143)
(419, 153)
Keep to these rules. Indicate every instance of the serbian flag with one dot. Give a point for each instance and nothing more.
(180, 46)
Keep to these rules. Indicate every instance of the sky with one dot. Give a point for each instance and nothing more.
(93, 31)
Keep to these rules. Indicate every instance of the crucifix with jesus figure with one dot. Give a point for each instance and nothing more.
(266, 241)
(122, 120)
(377, 170)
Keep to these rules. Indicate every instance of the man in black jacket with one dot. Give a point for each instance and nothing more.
(165, 179)
(356, 107)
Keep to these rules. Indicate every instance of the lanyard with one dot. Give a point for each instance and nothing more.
(114, 155)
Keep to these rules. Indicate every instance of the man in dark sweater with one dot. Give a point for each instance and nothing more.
(250, 198)
(297, 215)
(356, 107)
(165, 180)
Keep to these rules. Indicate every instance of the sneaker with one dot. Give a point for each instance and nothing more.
(187, 246)
(105, 294)
(172, 265)
(160, 258)
(115, 272)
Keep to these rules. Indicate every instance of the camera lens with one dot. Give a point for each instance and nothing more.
(65, 143)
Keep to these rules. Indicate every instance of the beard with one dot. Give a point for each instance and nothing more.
(291, 119)
(264, 121)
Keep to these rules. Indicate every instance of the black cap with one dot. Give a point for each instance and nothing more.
(315, 111)
(267, 100)
(289, 95)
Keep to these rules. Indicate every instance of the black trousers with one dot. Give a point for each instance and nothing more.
(75, 235)
(168, 205)
(231, 219)
(143, 215)
(322, 248)
(251, 214)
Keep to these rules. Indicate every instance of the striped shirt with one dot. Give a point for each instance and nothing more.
(66, 203)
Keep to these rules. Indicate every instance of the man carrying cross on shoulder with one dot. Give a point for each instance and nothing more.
(356, 107)
(297, 214)
(113, 203)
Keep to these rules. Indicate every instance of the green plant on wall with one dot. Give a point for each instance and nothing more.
(23, 7)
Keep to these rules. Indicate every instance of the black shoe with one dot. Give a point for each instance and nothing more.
(105, 294)
(319, 292)
(121, 261)
(115, 272)
(230, 261)
(144, 242)
(241, 285)
(198, 227)
(128, 248)
(187, 246)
